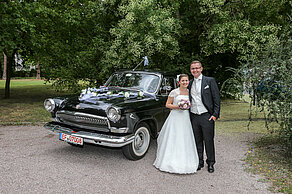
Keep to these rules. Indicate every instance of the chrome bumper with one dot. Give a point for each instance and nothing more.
(92, 138)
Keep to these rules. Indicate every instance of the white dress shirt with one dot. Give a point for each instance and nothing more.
(197, 104)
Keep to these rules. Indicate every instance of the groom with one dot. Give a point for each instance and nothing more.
(205, 109)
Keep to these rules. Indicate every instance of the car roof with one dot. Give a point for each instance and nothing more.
(150, 71)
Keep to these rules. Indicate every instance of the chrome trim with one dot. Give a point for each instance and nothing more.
(118, 111)
(82, 114)
(159, 84)
(93, 138)
(52, 102)
(119, 130)
(78, 115)
(107, 128)
(132, 116)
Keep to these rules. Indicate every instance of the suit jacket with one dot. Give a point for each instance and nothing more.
(210, 95)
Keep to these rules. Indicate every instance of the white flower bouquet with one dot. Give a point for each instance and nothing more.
(184, 104)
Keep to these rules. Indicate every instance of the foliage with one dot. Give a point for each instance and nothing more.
(83, 40)
(268, 80)
(146, 29)
(71, 38)
(232, 34)
(15, 33)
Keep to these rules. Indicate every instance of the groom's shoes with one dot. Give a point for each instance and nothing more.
(200, 167)
(211, 168)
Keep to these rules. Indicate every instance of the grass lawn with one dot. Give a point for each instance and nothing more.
(265, 157)
(26, 102)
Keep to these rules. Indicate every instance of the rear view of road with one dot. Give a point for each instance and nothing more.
(35, 161)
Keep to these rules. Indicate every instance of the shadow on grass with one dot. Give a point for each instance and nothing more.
(31, 94)
(25, 104)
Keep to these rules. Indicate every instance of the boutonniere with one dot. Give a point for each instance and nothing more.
(206, 87)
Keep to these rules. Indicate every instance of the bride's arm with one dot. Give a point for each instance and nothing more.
(169, 103)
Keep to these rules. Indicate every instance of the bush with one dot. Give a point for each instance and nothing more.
(267, 79)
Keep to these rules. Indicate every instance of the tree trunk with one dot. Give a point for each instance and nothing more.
(38, 71)
(4, 66)
(10, 62)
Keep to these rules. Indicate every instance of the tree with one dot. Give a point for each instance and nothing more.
(71, 39)
(38, 76)
(83, 40)
(232, 32)
(146, 29)
(4, 59)
(267, 79)
(15, 33)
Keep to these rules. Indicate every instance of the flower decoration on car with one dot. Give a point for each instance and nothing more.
(127, 94)
(140, 93)
(92, 94)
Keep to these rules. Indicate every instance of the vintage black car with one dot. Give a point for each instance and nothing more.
(126, 112)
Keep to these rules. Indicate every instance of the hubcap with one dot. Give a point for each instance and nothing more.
(141, 142)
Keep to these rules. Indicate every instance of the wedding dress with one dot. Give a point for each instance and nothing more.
(176, 146)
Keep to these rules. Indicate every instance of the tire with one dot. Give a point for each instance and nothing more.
(139, 147)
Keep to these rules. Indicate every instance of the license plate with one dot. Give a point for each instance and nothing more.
(71, 139)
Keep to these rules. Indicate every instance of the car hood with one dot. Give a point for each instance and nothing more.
(99, 102)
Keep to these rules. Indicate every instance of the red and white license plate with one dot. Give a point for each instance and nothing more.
(71, 139)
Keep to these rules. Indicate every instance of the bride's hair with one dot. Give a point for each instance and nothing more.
(182, 75)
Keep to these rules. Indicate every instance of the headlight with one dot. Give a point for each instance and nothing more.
(49, 105)
(113, 114)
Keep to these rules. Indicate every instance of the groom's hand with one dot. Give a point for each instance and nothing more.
(212, 118)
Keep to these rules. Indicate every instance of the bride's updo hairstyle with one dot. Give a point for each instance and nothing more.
(182, 75)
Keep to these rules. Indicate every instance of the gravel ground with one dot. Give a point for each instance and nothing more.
(35, 161)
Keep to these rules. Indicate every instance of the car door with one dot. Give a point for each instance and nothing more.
(167, 85)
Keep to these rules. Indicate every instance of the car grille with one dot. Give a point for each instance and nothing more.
(83, 120)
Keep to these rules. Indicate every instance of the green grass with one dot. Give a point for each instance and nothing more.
(265, 157)
(269, 160)
(26, 102)
(20, 83)
(234, 119)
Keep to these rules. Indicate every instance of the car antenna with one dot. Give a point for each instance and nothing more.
(145, 59)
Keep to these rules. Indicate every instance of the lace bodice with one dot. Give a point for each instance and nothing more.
(177, 96)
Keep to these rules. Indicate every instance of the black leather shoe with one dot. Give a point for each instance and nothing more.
(211, 168)
(200, 167)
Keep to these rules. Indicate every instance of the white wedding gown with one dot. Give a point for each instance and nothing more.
(176, 146)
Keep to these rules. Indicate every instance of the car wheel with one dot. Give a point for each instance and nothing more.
(139, 147)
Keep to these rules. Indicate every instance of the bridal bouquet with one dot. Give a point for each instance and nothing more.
(184, 104)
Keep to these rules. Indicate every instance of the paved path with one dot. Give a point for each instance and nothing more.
(35, 161)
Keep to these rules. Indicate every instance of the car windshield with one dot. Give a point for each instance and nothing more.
(138, 81)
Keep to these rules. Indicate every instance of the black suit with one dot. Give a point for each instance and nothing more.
(202, 127)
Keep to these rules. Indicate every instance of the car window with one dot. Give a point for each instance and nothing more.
(141, 81)
(168, 84)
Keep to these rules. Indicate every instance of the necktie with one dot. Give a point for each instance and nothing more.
(195, 82)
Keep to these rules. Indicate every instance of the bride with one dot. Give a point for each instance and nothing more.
(176, 151)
